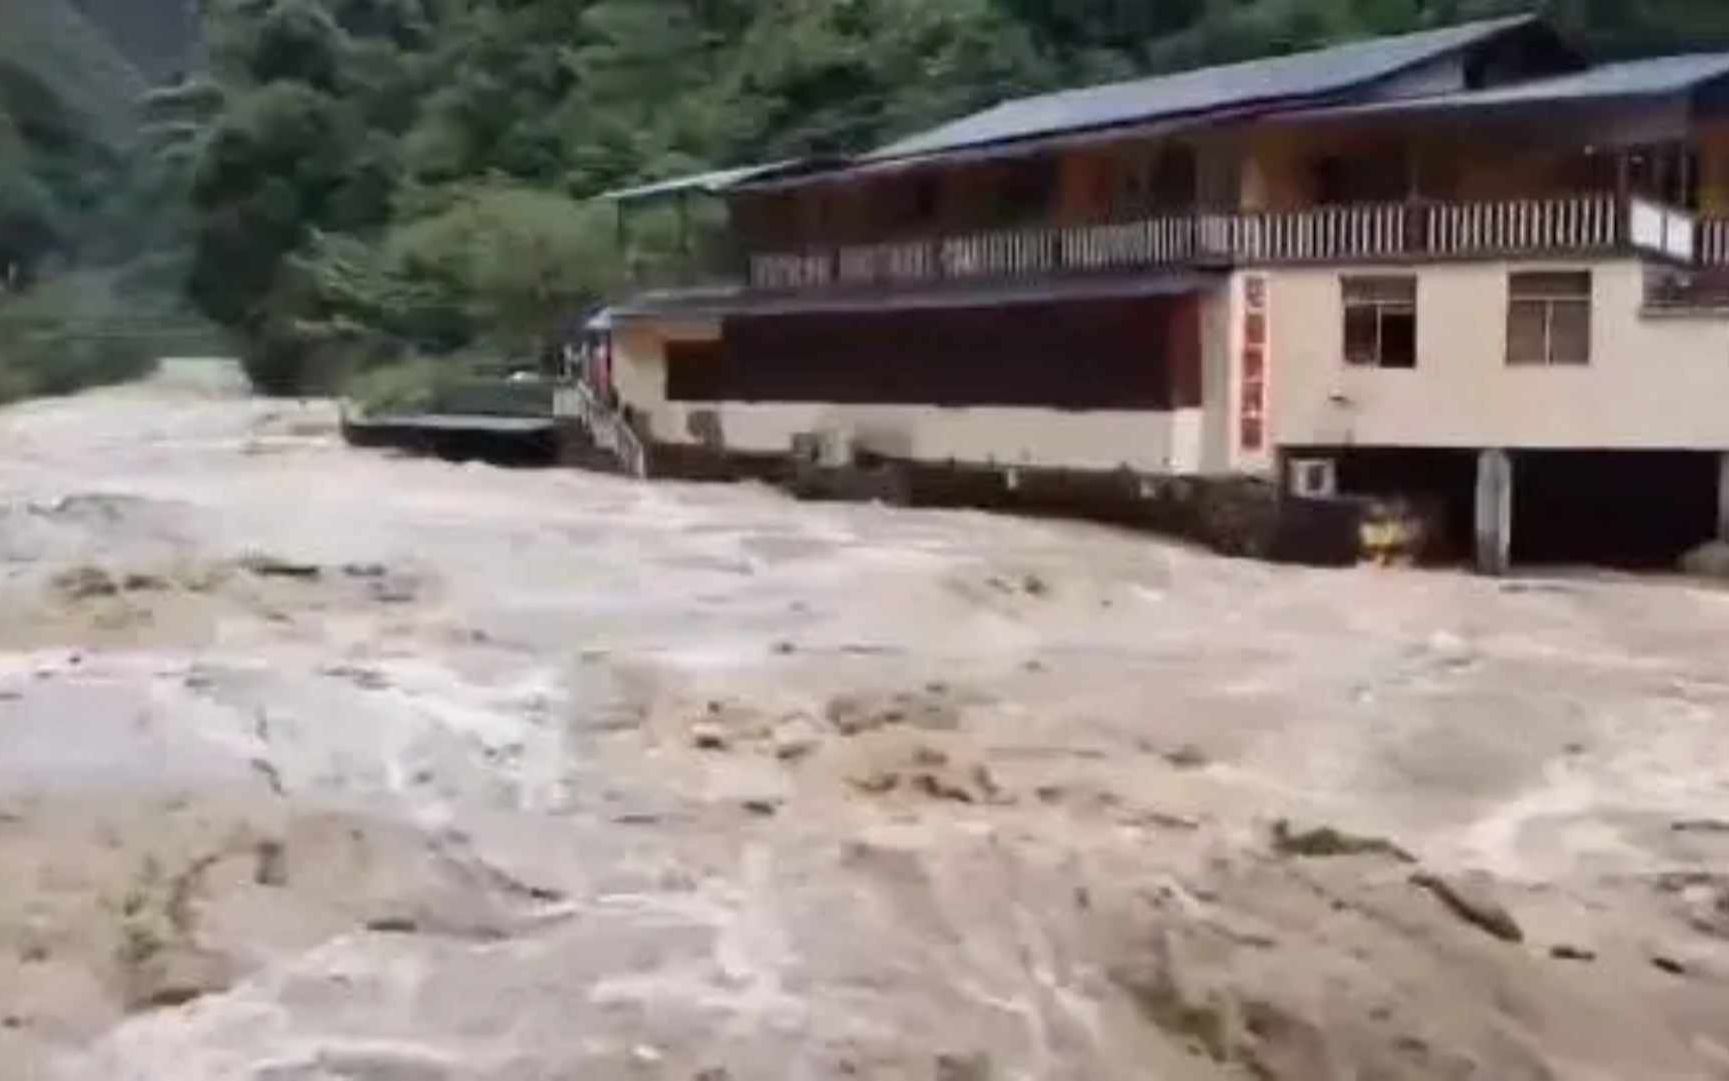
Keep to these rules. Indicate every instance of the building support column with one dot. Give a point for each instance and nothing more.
(1494, 520)
(1723, 496)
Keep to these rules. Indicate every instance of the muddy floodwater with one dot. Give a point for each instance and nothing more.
(318, 763)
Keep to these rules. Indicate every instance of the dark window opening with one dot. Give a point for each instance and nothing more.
(1079, 355)
(1159, 179)
(1380, 321)
(1027, 191)
(1381, 175)
(1630, 509)
(925, 197)
(1549, 318)
(695, 371)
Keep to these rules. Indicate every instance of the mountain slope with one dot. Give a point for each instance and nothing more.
(159, 37)
(52, 43)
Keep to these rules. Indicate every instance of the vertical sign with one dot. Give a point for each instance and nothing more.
(1252, 404)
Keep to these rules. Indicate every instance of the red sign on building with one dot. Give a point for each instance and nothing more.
(1252, 405)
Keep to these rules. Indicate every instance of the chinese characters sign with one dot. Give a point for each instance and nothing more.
(1252, 404)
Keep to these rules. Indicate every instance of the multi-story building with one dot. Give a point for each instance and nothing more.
(1460, 264)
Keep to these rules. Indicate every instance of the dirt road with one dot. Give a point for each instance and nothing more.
(318, 764)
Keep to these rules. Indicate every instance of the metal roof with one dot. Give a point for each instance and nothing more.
(983, 293)
(1659, 77)
(710, 183)
(1300, 75)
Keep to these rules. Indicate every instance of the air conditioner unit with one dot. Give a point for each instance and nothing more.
(829, 448)
(1314, 478)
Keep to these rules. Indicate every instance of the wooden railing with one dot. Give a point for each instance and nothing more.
(1325, 234)
(1591, 224)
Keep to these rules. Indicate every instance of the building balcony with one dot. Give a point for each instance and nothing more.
(1572, 227)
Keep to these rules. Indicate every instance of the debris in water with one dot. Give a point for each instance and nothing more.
(1328, 842)
(1469, 899)
(1701, 825)
(271, 869)
(393, 925)
(708, 737)
(84, 583)
(1188, 756)
(975, 1067)
(264, 565)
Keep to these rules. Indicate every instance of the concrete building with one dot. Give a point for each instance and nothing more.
(1460, 266)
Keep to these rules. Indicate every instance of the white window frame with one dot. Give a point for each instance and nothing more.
(1382, 307)
(1550, 300)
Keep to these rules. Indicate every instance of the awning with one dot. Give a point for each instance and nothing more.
(714, 304)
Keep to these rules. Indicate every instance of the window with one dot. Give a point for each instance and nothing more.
(1549, 318)
(1381, 322)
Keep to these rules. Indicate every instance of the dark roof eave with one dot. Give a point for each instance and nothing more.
(963, 294)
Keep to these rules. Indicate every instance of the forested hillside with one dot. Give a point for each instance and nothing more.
(159, 37)
(88, 234)
(72, 74)
(66, 110)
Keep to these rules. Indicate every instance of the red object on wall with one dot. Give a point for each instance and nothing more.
(1252, 408)
(1254, 364)
(1255, 328)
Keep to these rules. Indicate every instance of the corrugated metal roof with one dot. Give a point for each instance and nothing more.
(1300, 75)
(983, 293)
(1659, 77)
(710, 183)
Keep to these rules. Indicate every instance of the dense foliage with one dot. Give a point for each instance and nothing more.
(92, 229)
(367, 181)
